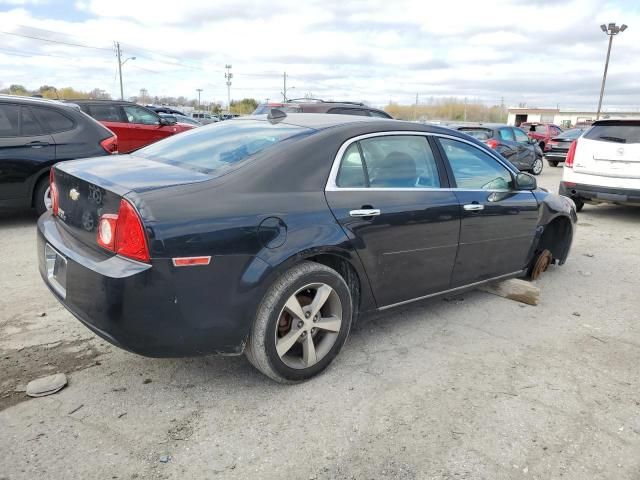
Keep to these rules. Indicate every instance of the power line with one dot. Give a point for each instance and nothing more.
(53, 41)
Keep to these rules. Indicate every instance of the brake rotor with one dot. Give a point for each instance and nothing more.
(542, 264)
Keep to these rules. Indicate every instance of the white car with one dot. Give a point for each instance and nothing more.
(603, 165)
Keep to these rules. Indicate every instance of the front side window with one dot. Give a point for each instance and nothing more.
(52, 121)
(106, 112)
(218, 146)
(521, 137)
(394, 161)
(474, 169)
(9, 120)
(140, 115)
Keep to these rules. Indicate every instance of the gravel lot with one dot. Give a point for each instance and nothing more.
(470, 387)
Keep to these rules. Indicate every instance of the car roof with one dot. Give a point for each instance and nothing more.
(614, 121)
(480, 125)
(319, 121)
(35, 100)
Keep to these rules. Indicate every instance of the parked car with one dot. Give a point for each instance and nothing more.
(205, 118)
(511, 142)
(135, 126)
(556, 150)
(35, 134)
(165, 109)
(181, 119)
(305, 105)
(541, 132)
(254, 235)
(603, 165)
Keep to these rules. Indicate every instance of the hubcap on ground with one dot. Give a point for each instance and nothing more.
(308, 325)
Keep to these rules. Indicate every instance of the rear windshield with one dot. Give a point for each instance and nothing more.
(623, 132)
(534, 128)
(217, 147)
(571, 134)
(266, 108)
(479, 133)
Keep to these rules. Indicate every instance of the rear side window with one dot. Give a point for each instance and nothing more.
(622, 132)
(218, 146)
(506, 134)
(106, 112)
(52, 121)
(30, 125)
(521, 137)
(9, 120)
(474, 169)
(377, 114)
(394, 161)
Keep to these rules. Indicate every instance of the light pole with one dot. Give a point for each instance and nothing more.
(228, 76)
(120, 64)
(611, 30)
(199, 90)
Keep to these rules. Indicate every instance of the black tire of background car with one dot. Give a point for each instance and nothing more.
(261, 349)
(552, 163)
(579, 204)
(38, 195)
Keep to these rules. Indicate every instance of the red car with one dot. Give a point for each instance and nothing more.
(541, 132)
(135, 126)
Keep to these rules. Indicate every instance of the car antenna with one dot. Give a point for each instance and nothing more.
(276, 115)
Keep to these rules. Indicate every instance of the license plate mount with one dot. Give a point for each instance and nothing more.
(56, 265)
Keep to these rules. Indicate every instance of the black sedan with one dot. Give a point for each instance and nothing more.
(556, 150)
(270, 235)
(511, 142)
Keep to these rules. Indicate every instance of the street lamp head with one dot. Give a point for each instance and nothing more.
(623, 27)
(612, 25)
(133, 58)
(604, 28)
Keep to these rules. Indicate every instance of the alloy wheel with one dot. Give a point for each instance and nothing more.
(537, 166)
(308, 325)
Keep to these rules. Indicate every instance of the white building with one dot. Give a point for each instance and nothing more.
(563, 117)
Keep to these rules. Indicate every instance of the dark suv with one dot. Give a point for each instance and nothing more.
(511, 142)
(306, 105)
(35, 134)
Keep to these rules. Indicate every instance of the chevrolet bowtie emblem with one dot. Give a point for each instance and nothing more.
(74, 194)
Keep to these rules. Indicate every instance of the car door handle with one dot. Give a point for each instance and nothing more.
(365, 212)
(37, 144)
(473, 207)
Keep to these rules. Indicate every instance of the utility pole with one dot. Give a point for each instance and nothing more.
(199, 90)
(415, 108)
(611, 30)
(284, 88)
(228, 76)
(120, 64)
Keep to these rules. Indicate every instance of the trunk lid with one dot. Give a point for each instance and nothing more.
(610, 149)
(90, 188)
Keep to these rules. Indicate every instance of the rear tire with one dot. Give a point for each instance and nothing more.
(537, 166)
(579, 204)
(552, 163)
(291, 348)
(41, 196)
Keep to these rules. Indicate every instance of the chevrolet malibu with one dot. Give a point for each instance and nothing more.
(270, 235)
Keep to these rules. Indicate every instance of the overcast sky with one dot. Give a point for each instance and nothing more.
(542, 52)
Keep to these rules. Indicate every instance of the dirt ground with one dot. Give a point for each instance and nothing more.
(469, 387)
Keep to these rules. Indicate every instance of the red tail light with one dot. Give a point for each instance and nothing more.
(571, 154)
(110, 144)
(53, 191)
(123, 233)
(492, 143)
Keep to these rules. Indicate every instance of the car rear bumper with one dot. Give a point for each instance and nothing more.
(155, 310)
(598, 194)
(555, 156)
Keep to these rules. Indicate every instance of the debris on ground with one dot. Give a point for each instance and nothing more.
(514, 289)
(164, 458)
(46, 385)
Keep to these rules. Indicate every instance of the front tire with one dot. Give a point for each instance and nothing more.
(301, 323)
(42, 196)
(537, 166)
(552, 163)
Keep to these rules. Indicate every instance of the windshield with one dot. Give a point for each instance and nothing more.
(621, 132)
(478, 133)
(571, 134)
(217, 147)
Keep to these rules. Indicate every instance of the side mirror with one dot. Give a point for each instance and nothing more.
(526, 181)
(167, 121)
